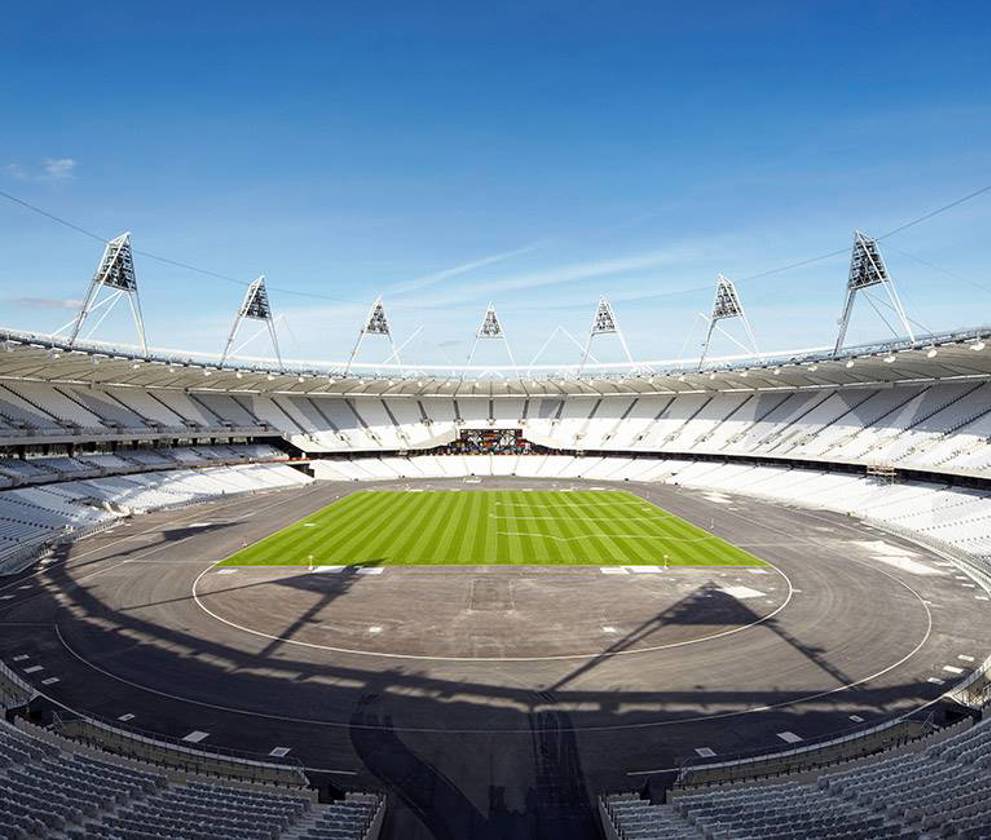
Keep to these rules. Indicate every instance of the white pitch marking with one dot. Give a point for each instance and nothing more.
(961, 577)
(375, 629)
(608, 628)
(935, 681)
(126, 718)
(969, 585)
(644, 570)
(33, 669)
(612, 570)
(280, 752)
(790, 737)
(964, 658)
(371, 570)
(856, 718)
(981, 598)
(741, 592)
(226, 571)
(952, 669)
(199, 524)
(705, 752)
(757, 571)
(328, 569)
(50, 681)
(196, 736)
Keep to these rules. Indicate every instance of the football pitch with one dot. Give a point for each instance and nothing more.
(437, 528)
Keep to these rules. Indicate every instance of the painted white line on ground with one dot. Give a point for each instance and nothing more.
(612, 570)
(330, 570)
(280, 752)
(126, 718)
(196, 736)
(757, 571)
(913, 567)
(21, 657)
(33, 669)
(790, 737)
(371, 570)
(309, 524)
(935, 681)
(25, 586)
(375, 629)
(981, 598)
(644, 570)
(964, 658)
(6, 597)
(952, 669)
(50, 681)
(969, 585)
(741, 592)
(705, 752)
(226, 571)
(608, 628)
(856, 718)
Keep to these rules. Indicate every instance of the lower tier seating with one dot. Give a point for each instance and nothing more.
(47, 791)
(942, 791)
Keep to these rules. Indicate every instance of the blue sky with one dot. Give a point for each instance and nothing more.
(533, 154)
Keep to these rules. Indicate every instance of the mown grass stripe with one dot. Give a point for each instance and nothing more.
(490, 527)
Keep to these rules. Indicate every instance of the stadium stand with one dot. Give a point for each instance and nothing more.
(55, 789)
(51, 500)
(944, 789)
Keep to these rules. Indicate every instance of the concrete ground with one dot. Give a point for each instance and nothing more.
(494, 702)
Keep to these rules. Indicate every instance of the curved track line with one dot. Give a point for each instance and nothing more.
(551, 658)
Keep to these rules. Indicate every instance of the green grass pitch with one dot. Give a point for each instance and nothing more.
(600, 528)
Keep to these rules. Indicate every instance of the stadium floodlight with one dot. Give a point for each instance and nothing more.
(604, 323)
(726, 305)
(491, 328)
(867, 269)
(377, 323)
(255, 306)
(115, 278)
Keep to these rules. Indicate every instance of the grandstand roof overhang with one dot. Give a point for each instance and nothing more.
(960, 354)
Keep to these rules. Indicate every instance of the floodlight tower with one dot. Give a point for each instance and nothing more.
(604, 323)
(116, 277)
(867, 269)
(256, 307)
(375, 324)
(491, 328)
(726, 305)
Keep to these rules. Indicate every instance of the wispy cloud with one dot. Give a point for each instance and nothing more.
(572, 273)
(458, 270)
(49, 169)
(59, 169)
(45, 303)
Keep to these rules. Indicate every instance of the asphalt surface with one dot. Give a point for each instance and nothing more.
(494, 702)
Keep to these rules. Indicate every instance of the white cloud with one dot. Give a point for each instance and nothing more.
(45, 303)
(15, 170)
(59, 169)
(455, 271)
(50, 169)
